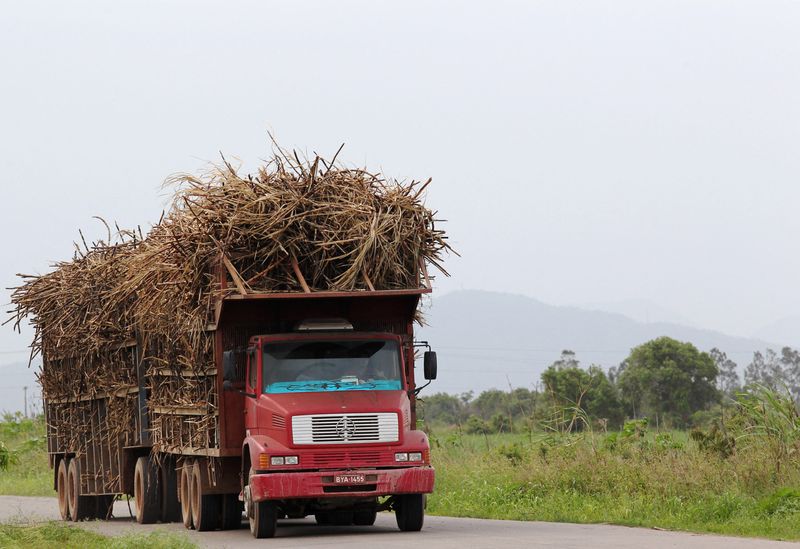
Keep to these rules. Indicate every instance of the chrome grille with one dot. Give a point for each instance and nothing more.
(345, 428)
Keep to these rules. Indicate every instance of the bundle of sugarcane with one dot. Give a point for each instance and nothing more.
(295, 225)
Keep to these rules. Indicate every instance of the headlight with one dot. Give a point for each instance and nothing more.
(275, 460)
(291, 460)
(401, 456)
(415, 456)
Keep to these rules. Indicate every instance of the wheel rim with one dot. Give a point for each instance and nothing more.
(72, 499)
(138, 490)
(61, 489)
(186, 504)
(195, 496)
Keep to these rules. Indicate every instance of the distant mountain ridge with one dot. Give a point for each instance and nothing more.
(490, 339)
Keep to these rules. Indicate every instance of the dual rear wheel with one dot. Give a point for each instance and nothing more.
(73, 504)
(201, 510)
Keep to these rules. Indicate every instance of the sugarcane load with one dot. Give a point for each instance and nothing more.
(252, 352)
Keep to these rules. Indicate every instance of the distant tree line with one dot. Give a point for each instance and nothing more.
(668, 381)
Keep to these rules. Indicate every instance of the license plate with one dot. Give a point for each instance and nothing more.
(349, 479)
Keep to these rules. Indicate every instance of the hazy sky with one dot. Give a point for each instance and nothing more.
(581, 151)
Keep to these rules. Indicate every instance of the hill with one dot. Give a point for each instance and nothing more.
(488, 339)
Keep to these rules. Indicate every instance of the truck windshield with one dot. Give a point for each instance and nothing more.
(317, 366)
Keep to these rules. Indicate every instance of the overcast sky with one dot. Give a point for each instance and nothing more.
(580, 151)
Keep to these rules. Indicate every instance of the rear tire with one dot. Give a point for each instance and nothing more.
(146, 492)
(410, 512)
(185, 488)
(205, 507)
(365, 518)
(231, 512)
(168, 480)
(61, 489)
(80, 507)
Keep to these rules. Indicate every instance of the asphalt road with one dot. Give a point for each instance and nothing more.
(438, 533)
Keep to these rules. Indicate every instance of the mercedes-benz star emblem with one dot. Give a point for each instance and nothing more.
(346, 428)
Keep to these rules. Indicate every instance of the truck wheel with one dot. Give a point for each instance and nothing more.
(61, 489)
(410, 512)
(231, 512)
(145, 492)
(168, 480)
(186, 493)
(80, 507)
(205, 507)
(262, 515)
(365, 518)
(264, 521)
(323, 519)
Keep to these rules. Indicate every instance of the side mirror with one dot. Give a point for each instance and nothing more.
(228, 367)
(429, 363)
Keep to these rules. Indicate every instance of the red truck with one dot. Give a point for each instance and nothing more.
(309, 409)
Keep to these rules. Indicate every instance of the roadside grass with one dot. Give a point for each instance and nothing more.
(25, 443)
(664, 479)
(59, 535)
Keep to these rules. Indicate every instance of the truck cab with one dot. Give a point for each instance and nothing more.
(330, 426)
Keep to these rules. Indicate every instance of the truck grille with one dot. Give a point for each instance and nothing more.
(345, 428)
(348, 459)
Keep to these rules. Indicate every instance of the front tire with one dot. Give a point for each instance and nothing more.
(262, 515)
(264, 521)
(410, 512)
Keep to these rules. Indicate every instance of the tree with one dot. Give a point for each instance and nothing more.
(779, 373)
(669, 378)
(602, 399)
(570, 385)
(790, 359)
(765, 369)
(444, 408)
(567, 361)
(728, 378)
(491, 402)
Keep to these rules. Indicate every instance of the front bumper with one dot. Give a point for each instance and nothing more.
(319, 484)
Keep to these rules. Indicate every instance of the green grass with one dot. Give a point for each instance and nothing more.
(28, 473)
(57, 535)
(655, 480)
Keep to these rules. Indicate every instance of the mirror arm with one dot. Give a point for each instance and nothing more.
(421, 387)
